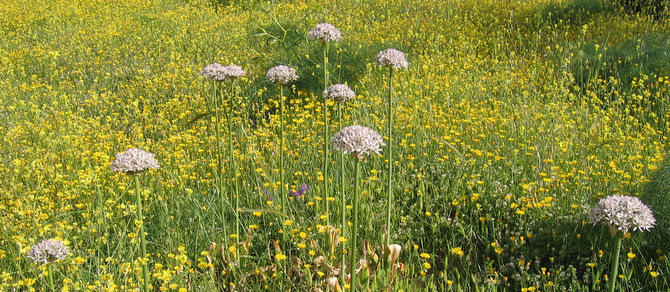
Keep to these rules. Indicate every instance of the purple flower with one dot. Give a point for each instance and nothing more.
(300, 192)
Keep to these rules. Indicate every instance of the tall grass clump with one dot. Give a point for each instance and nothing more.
(655, 194)
(648, 7)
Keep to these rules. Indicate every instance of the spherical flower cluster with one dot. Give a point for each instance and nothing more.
(392, 58)
(325, 32)
(623, 213)
(358, 140)
(339, 92)
(134, 161)
(281, 74)
(220, 73)
(48, 251)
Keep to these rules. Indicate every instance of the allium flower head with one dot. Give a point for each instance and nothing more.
(281, 74)
(358, 140)
(623, 213)
(48, 251)
(325, 32)
(339, 92)
(392, 58)
(134, 161)
(217, 72)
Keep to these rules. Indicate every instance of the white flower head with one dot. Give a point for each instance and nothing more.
(358, 140)
(281, 74)
(48, 251)
(392, 58)
(325, 32)
(623, 213)
(134, 161)
(339, 93)
(217, 72)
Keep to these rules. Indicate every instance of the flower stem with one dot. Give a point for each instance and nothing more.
(389, 150)
(284, 200)
(233, 170)
(615, 260)
(343, 200)
(218, 160)
(143, 241)
(354, 229)
(50, 277)
(326, 129)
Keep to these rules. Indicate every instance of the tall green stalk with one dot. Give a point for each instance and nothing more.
(326, 129)
(343, 200)
(217, 131)
(143, 241)
(615, 260)
(50, 276)
(284, 200)
(389, 147)
(354, 229)
(233, 169)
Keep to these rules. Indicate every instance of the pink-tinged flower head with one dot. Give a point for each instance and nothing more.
(325, 32)
(392, 58)
(217, 72)
(48, 251)
(358, 140)
(281, 74)
(339, 93)
(134, 161)
(623, 213)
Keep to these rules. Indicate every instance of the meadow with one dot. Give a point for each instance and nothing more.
(512, 120)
